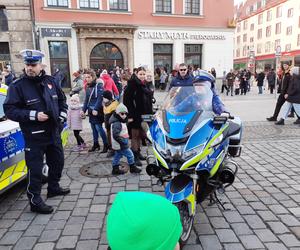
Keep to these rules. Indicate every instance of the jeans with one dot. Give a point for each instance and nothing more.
(98, 129)
(260, 89)
(123, 152)
(286, 108)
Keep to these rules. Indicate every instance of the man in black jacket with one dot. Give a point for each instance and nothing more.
(283, 87)
(37, 102)
(292, 97)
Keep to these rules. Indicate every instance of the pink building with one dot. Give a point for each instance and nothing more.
(129, 33)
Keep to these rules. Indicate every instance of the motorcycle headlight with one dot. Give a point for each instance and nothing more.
(191, 153)
(217, 140)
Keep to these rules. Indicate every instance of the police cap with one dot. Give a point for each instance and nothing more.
(31, 56)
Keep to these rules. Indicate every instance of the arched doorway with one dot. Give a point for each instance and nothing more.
(106, 56)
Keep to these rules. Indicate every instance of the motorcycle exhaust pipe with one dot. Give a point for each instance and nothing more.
(228, 174)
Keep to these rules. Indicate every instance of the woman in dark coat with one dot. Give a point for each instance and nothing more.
(136, 99)
(93, 104)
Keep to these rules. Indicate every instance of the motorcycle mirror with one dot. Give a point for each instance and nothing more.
(219, 121)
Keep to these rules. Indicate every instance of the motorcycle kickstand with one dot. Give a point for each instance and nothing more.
(220, 202)
(213, 199)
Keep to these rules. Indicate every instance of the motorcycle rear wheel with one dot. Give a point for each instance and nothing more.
(186, 221)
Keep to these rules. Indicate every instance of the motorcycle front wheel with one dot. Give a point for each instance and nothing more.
(186, 221)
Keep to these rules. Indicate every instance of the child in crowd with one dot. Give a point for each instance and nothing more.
(120, 140)
(75, 121)
(237, 86)
(109, 106)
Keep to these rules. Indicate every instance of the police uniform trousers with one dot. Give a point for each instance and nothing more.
(34, 156)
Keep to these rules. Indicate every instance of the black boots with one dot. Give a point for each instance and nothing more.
(60, 191)
(297, 121)
(41, 208)
(134, 169)
(117, 171)
(140, 156)
(272, 119)
(95, 147)
(137, 160)
(105, 149)
(280, 122)
(110, 153)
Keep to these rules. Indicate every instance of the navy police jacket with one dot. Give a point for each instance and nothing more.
(29, 95)
(217, 104)
(178, 81)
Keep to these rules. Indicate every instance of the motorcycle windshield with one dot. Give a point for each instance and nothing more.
(184, 100)
(184, 106)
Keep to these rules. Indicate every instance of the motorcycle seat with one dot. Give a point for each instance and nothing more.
(234, 129)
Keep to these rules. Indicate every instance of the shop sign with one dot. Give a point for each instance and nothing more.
(177, 36)
(55, 32)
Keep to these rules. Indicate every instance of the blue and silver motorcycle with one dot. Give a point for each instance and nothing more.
(193, 150)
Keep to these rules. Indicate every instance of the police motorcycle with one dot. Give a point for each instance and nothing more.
(193, 150)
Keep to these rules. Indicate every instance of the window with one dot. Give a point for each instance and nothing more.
(238, 53)
(245, 51)
(258, 49)
(251, 39)
(289, 30)
(91, 4)
(238, 27)
(192, 7)
(278, 28)
(163, 6)
(3, 19)
(59, 59)
(288, 47)
(277, 43)
(252, 26)
(298, 40)
(259, 34)
(245, 24)
(118, 5)
(245, 38)
(4, 51)
(258, 4)
(193, 55)
(290, 12)
(163, 56)
(279, 11)
(106, 56)
(269, 15)
(268, 47)
(268, 31)
(238, 39)
(260, 18)
(58, 3)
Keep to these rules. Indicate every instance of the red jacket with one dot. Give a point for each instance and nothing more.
(109, 84)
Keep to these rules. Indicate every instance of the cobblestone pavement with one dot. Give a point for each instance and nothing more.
(264, 201)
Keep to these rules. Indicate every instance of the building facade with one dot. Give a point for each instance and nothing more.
(129, 33)
(15, 32)
(264, 27)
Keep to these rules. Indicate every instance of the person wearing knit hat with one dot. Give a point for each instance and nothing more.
(143, 221)
(120, 141)
(109, 106)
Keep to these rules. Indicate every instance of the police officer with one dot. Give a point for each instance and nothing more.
(37, 102)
